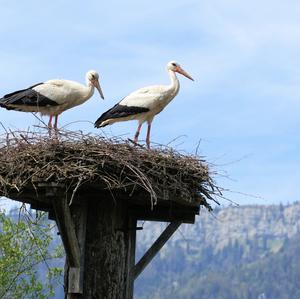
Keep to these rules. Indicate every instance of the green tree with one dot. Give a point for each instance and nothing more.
(25, 244)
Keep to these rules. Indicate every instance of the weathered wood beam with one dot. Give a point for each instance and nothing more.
(40, 207)
(67, 231)
(155, 248)
(51, 214)
(29, 197)
(76, 275)
(166, 213)
(131, 243)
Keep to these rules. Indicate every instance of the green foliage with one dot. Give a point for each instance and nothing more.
(25, 244)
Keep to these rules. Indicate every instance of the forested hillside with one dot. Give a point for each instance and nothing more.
(238, 252)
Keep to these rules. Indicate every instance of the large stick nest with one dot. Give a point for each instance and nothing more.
(74, 159)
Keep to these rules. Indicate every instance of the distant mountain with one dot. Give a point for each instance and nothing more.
(235, 253)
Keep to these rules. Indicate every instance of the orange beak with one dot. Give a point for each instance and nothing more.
(96, 83)
(184, 73)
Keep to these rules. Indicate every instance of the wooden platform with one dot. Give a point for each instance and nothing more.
(139, 205)
(97, 225)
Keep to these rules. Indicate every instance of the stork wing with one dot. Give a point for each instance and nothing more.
(117, 112)
(26, 97)
(146, 97)
(140, 101)
(60, 91)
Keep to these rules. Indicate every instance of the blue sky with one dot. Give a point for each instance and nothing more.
(244, 105)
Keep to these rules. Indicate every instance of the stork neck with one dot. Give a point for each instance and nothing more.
(89, 90)
(174, 82)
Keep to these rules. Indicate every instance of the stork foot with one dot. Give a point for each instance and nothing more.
(135, 143)
(148, 144)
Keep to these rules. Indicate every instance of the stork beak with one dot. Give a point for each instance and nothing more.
(184, 73)
(97, 85)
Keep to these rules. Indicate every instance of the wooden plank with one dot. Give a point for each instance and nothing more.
(166, 214)
(75, 275)
(51, 214)
(132, 223)
(74, 281)
(154, 249)
(40, 206)
(39, 195)
(29, 197)
(81, 235)
(51, 185)
(67, 231)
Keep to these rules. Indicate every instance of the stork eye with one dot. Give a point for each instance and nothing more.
(174, 64)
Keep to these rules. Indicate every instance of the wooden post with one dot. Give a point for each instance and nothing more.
(99, 236)
(108, 252)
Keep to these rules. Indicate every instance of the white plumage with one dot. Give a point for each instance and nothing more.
(143, 104)
(53, 96)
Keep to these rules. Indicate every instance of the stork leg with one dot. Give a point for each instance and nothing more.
(50, 122)
(55, 123)
(137, 133)
(148, 135)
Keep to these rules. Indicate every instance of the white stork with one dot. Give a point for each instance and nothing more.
(53, 96)
(143, 104)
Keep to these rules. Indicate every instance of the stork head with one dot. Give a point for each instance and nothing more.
(92, 78)
(175, 67)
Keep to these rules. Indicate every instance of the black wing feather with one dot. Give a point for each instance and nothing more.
(19, 91)
(27, 97)
(119, 111)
